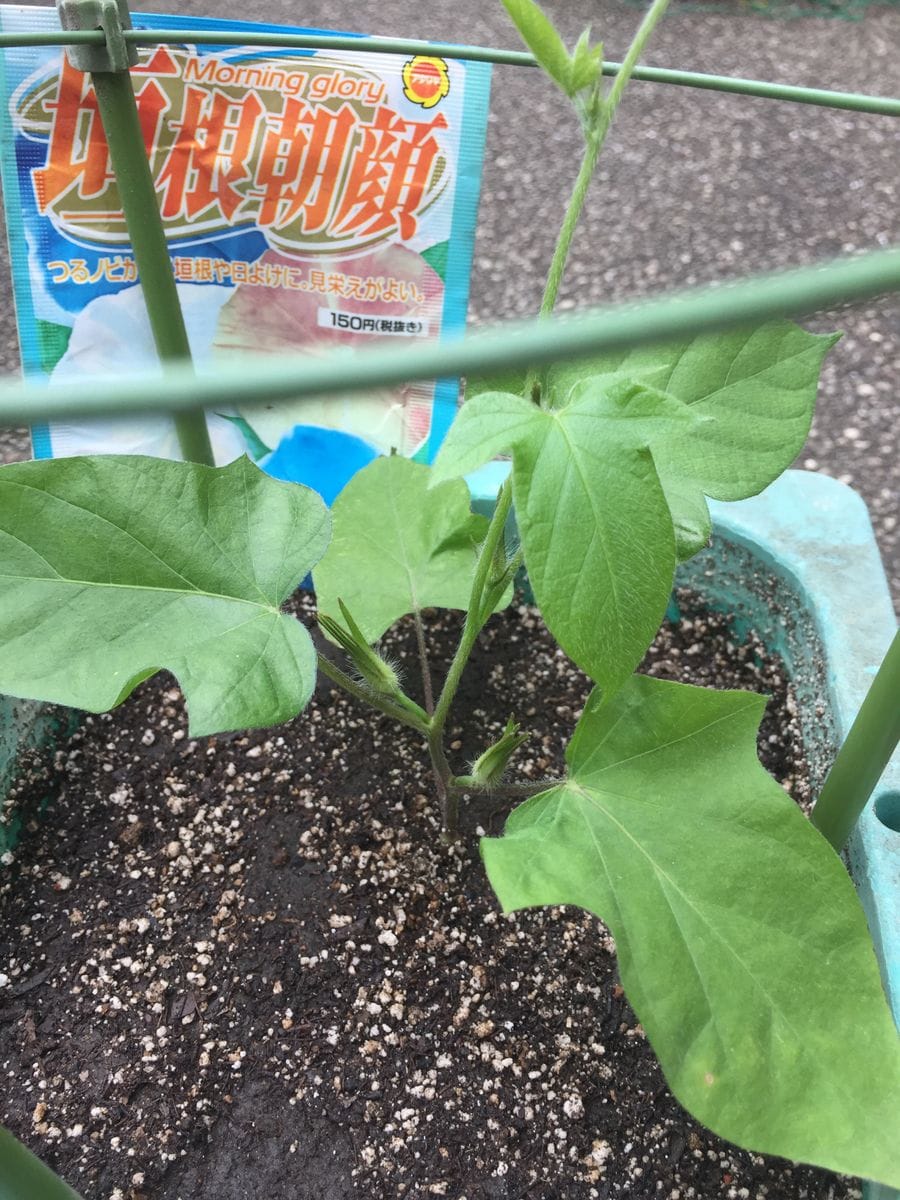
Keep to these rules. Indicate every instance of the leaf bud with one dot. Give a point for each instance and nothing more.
(372, 668)
(489, 768)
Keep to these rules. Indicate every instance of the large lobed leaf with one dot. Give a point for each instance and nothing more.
(592, 514)
(113, 568)
(399, 546)
(742, 945)
(610, 477)
(753, 391)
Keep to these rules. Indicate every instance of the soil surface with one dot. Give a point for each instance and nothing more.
(247, 967)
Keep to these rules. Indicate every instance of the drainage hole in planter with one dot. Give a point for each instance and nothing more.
(887, 810)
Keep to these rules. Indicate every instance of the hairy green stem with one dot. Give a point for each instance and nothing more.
(119, 114)
(449, 800)
(652, 17)
(427, 689)
(505, 791)
(595, 136)
(398, 706)
(475, 615)
(474, 623)
(867, 750)
(414, 710)
(593, 146)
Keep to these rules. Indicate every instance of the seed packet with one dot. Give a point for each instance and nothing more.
(312, 200)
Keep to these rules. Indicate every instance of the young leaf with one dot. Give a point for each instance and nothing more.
(375, 670)
(256, 447)
(755, 389)
(113, 568)
(490, 766)
(488, 425)
(539, 35)
(512, 381)
(587, 63)
(742, 945)
(399, 547)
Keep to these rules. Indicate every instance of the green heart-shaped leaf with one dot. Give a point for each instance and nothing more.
(113, 568)
(755, 390)
(399, 546)
(594, 522)
(742, 944)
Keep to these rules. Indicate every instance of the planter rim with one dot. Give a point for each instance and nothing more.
(817, 531)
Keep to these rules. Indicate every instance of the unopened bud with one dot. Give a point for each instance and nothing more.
(489, 768)
(376, 672)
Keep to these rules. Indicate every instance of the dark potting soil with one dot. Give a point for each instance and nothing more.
(247, 966)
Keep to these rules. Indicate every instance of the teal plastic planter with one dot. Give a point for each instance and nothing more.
(827, 609)
(812, 537)
(24, 726)
(800, 565)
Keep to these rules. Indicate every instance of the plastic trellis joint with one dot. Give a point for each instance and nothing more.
(112, 16)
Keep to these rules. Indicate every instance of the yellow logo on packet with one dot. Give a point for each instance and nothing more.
(426, 81)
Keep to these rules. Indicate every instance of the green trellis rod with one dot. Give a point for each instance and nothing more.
(531, 344)
(883, 105)
(115, 98)
(513, 344)
(866, 752)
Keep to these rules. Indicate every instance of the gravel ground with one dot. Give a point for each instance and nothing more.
(723, 185)
(694, 187)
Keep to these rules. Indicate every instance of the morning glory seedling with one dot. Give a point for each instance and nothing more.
(742, 945)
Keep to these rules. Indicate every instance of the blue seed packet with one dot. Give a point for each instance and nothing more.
(312, 200)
